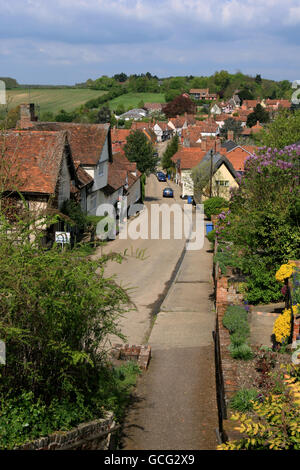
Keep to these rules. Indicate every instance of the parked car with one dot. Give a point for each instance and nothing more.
(161, 176)
(168, 192)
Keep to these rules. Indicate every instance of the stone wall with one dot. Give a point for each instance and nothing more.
(95, 435)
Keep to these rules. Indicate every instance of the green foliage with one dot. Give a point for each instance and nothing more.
(236, 321)
(214, 205)
(211, 236)
(284, 130)
(243, 399)
(242, 351)
(73, 210)
(259, 114)
(143, 183)
(25, 418)
(262, 227)
(231, 124)
(56, 314)
(273, 425)
(138, 149)
(171, 149)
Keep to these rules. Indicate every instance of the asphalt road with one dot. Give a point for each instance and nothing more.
(148, 279)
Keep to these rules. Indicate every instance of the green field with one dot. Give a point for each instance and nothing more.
(55, 99)
(52, 99)
(133, 99)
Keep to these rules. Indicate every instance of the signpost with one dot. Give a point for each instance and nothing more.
(63, 238)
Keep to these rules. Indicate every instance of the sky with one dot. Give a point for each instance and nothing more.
(69, 41)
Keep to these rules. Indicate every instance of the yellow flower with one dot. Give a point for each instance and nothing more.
(282, 326)
(285, 271)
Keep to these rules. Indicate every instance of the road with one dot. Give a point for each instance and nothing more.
(174, 405)
(148, 279)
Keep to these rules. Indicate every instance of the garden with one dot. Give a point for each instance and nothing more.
(256, 240)
(56, 328)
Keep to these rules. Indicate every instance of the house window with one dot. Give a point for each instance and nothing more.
(222, 183)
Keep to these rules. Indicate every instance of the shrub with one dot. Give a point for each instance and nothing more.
(236, 321)
(56, 314)
(243, 351)
(274, 425)
(214, 206)
(243, 399)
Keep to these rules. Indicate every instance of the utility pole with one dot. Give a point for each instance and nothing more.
(211, 172)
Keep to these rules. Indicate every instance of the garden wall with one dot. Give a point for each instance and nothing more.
(226, 293)
(95, 435)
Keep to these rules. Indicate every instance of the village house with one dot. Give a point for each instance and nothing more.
(90, 145)
(153, 107)
(202, 94)
(40, 167)
(238, 155)
(223, 176)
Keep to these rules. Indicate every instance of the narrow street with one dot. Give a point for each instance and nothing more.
(174, 404)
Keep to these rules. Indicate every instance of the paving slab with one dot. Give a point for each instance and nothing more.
(262, 321)
(179, 329)
(186, 296)
(174, 406)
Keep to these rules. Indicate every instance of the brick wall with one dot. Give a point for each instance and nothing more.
(95, 435)
(226, 367)
(140, 353)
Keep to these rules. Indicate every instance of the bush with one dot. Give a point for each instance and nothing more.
(214, 205)
(243, 351)
(25, 418)
(273, 425)
(243, 399)
(56, 314)
(211, 236)
(236, 321)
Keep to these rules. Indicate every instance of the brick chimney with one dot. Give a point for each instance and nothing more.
(27, 115)
(203, 144)
(230, 135)
(218, 145)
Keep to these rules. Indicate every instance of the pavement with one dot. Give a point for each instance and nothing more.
(262, 321)
(174, 404)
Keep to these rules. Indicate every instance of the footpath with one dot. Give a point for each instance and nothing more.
(174, 406)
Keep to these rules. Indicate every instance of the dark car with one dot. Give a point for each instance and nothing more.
(168, 192)
(161, 176)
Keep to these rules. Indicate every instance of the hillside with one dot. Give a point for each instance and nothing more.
(51, 99)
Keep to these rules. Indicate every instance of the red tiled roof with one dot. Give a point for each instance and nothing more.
(238, 155)
(34, 159)
(120, 171)
(119, 135)
(86, 140)
(199, 90)
(189, 157)
(156, 106)
(83, 177)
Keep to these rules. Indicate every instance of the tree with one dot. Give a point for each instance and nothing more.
(138, 149)
(259, 114)
(120, 77)
(231, 124)
(258, 79)
(104, 115)
(284, 130)
(171, 149)
(178, 106)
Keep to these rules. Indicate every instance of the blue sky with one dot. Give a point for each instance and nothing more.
(68, 41)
